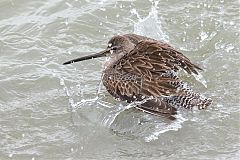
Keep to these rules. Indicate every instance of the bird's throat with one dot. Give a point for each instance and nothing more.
(111, 60)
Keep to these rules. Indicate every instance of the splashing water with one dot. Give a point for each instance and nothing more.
(150, 26)
(109, 119)
(163, 127)
(199, 77)
(111, 116)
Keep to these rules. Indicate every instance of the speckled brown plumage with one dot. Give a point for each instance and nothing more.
(144, 69)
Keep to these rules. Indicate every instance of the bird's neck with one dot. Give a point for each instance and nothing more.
(112, 60)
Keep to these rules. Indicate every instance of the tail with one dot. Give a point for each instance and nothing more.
(189, 100)
(186, 97)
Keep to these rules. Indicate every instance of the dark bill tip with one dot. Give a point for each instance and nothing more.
(68, 62)
(100, 54)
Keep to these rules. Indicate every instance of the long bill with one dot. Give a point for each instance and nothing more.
(100, 54)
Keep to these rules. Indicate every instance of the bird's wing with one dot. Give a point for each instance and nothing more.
(149, 70)
(123, 81)
(132, 87)
(156, 56)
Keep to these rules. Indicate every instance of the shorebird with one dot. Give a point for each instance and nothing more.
(142, 69)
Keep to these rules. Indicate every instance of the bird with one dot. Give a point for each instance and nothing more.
(145, 70)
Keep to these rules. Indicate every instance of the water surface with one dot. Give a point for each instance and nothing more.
(51, 111)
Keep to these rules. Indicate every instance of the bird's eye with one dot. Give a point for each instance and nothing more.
(114, 48)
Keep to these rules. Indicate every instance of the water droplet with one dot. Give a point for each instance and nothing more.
(44, 59)
(103, 9)
(62, 82)
(71, 101)
(68, 4)
(66, 22)
(229, 47)
(100, 23)
(183, 39)
(117, 15)
(10, 155)
(203, 35)
(232, 23)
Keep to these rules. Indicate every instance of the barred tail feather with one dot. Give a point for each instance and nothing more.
(189, 100)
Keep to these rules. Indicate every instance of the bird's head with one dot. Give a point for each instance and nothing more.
(117, 47)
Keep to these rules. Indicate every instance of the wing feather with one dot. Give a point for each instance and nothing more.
(163, 54)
